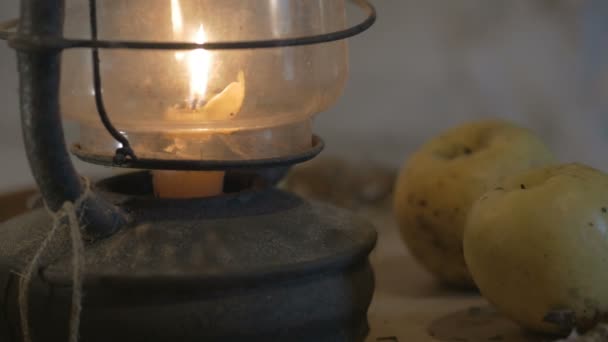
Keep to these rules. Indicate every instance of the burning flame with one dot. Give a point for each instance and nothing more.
(177, 18)
(197, 61)
(199, 64)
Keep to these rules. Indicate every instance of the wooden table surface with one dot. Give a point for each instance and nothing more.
(15, 203)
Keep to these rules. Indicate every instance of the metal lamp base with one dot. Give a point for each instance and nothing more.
(255, 265)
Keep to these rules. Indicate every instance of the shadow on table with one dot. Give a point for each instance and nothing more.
(478, 324)
(403, 277)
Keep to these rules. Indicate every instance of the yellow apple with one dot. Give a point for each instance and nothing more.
(440, 182)
(537, 247)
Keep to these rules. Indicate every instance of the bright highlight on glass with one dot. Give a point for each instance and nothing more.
(200, 104)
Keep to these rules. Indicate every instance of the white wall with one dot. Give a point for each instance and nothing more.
(427, 65)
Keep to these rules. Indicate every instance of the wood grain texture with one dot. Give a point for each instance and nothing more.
(15, 203)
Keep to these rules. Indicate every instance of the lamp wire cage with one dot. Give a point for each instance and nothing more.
(125, 156)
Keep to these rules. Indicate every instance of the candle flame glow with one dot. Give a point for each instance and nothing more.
(197, 61)
(177, 18)
(199, 64)
(178, 24)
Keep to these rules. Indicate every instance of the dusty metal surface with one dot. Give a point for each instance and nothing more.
(257, 264)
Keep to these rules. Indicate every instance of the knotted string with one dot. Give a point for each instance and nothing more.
(68, 211)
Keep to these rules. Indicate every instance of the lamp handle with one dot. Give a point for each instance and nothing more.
(49, 160)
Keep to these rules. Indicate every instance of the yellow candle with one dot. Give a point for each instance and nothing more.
(222, 106)
(188, 184)
(191, 184)
(228, 103)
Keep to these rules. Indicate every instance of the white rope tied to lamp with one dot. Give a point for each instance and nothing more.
(68, 211)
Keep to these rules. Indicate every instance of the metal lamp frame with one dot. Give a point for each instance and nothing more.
(38, 38)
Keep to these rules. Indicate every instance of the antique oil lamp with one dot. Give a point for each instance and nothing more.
(211, 100)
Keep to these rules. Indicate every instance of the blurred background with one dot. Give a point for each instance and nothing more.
(430, 64)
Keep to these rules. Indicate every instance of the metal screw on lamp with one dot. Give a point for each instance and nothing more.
(194, 92)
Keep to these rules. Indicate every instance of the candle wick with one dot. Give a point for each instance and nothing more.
(196, 103)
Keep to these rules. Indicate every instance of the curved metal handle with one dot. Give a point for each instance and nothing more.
(39, 73)
(39, 41)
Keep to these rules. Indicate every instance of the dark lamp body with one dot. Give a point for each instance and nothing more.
(253, 265)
